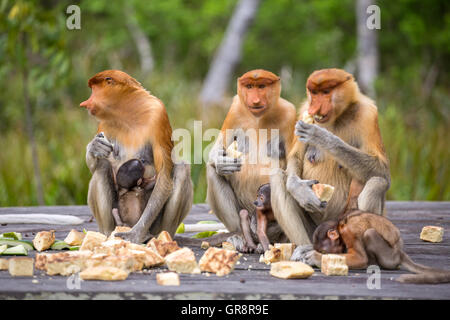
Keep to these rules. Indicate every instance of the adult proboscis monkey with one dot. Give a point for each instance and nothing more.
(133, 124)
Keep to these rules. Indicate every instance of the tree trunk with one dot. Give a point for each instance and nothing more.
(143, 45)
(30, 132)
(228, 54)
(367, 61)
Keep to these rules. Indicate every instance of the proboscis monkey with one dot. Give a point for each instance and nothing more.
(262, 123)
(365, 239)
(133, 190)
(264, 215)
(342, 148)
(135, 125)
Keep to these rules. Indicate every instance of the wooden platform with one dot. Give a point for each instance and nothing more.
(250, 279)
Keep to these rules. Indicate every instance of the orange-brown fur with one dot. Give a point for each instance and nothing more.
(280, 115)
(355, 121)
(365, 238)
(136, 122)
(255, 88)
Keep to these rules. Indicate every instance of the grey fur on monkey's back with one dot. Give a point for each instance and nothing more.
(409, 217)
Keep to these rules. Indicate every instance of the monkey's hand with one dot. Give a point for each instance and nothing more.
(302, 192)
(98, 148)
(308, 255)
(226, 165)
(314, 135)
(313, 258)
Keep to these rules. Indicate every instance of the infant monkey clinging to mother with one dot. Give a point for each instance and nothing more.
(133, 191)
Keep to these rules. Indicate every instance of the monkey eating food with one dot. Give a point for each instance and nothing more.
(342, 147)
(366, 238)
(133, 124)
(260, 124)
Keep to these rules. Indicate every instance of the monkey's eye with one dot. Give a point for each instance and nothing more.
(326, 91)
(262, 86)
(313, 91)
(249, 86)
(108, 80)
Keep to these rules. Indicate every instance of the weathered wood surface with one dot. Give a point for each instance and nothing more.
(250, 279)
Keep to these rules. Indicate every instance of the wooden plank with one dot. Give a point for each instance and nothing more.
(250, 279)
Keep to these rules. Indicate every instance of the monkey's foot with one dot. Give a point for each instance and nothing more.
(260, 248)
(134, 236)
(240, 244)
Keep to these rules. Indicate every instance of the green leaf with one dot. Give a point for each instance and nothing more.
(12, 235)
(11, 242)
(180, 228)
(204, 234)
(15, 251)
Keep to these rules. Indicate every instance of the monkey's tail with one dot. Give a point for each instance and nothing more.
(423, 274)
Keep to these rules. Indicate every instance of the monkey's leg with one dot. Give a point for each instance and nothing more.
(249, 245)
(386, 256)
(373, 195)
(116, 216)
(294, 221)
(222, 199)
(102, 196)
(179, 203)
(262, 227)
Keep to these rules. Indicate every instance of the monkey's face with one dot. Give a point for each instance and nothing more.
(328, 94)
(98, 102)
(258, 90)
(108, 89)
(262, 201)
(332, 243)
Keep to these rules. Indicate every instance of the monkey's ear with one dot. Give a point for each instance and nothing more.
(333, 234)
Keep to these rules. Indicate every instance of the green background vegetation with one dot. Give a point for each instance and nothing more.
(297, 36)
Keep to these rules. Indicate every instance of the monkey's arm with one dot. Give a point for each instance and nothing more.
(300, 189)
(361, 165)
(162, 191)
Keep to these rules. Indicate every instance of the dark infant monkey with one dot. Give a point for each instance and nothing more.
(264, 215)
(367, 238)
(133, 192)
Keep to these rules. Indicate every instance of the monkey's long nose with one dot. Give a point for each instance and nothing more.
(313, 110)
(85, 104)
(255, 203)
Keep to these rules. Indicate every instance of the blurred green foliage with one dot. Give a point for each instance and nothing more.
(287, 36)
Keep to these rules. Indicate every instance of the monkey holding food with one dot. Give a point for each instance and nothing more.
(341, 146)
(133, 124)
(259, 127)
(366, 238)
(133, 190)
